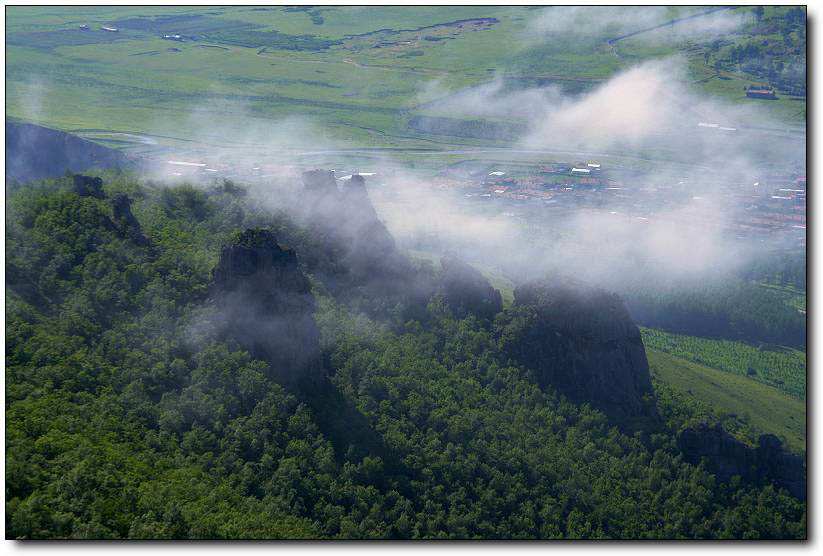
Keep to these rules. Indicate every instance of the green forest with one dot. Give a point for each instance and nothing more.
(134, 411)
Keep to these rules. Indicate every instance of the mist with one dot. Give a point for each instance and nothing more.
(616, 21)
(681, 140)
(646, 108)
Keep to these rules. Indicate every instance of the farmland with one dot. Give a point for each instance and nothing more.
(782, 368)
(354, 72)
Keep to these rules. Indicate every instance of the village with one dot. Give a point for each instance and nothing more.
(770, 209)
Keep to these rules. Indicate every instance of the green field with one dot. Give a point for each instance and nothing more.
(780, 367)
(358, 75)
(792, 296)
(764, 409)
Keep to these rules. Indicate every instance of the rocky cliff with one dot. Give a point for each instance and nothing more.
(124, 219)
(356, 239)
(88, 186)
(34, 152)
(581, 341)
(726, 456)
(466, 290)
(265, 303)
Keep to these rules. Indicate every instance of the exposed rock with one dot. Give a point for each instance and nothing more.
(88, 186)
(781, 466)
(125, 220)
(581, 341)
(466, 290)
(319, 180)
(358, 241)
(356, 186)
(267, 304)
(35, 152)
(726, 457)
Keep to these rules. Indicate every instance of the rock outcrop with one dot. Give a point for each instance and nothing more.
(89, 186)
(124, 219)
(582, 342)
(266, 304)
(319, 180)
(34, 152)
(361, 246)
(726, 457)
(466, 290)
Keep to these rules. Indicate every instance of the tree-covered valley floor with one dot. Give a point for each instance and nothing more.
(127, 418)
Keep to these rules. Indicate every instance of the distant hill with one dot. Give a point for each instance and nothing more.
(34, 152)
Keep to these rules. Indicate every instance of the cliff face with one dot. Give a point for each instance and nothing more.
(466, 290)
(359, 242)
(88, 186)
(34, 152)
(726, 456)
(125, 220)
(581, 341)
(266, 303)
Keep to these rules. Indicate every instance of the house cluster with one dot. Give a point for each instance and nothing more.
(774, 207)
(761, 91)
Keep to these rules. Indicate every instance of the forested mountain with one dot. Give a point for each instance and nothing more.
(186, 362)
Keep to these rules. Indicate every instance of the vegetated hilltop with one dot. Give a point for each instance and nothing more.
(149, 394)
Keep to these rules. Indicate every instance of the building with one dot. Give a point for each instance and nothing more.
(761, 92)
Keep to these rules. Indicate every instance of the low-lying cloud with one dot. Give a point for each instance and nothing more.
(617, 21)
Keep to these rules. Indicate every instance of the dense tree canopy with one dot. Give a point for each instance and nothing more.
(127, 418)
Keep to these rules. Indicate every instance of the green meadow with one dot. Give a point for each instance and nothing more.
(762, 408)
(356, 73)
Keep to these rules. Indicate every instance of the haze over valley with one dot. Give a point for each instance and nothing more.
(406, 272)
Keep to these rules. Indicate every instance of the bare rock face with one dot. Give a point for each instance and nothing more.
(467, 291)
(581, 341)
(360, 242)
(319, 180)
(726, 457)
(88, 186)
(125, 221)
(265, 302)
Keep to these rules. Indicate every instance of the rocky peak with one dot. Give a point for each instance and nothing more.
(726, 457)
(355, 235)
(266, 303)
(34, 152)
(319, 180)
(356, 186)
(583, 342)
(88, 186)
(125, 221)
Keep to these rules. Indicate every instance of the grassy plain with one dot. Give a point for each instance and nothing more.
(766, 409)
(357, 73)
